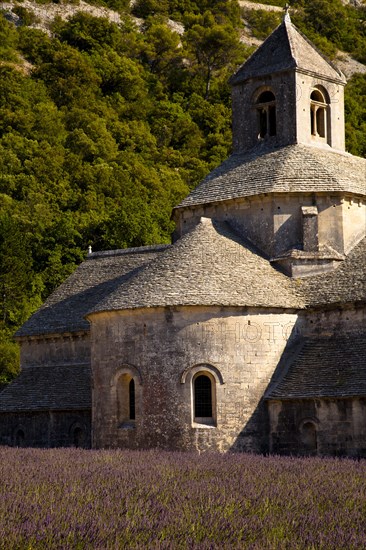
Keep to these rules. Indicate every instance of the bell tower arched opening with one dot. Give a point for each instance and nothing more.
(319, 102)
(266, 114)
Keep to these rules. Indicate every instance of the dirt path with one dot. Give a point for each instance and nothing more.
(47, 12)
(348, 65)
(255, 6)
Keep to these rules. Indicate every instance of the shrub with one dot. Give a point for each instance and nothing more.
(27, 17)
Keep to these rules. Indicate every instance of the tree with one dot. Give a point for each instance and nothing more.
(20, 285)
(8, 40)
(356, 115)
(119, 74)
(9, 359)
(161, 51)
(211, 47)
(145, 8)
(69, 76)
(86, 32)
(331, 25)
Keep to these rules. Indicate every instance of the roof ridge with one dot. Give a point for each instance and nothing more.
(326, 59)
(122, 251)
(64, 309)
(287, 23)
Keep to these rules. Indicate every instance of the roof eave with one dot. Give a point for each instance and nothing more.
(312, 397)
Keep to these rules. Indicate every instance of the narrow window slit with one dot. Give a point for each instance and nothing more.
(132, 399)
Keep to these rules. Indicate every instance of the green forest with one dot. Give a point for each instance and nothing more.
(105, 127)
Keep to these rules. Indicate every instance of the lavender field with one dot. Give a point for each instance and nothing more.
(80, 499)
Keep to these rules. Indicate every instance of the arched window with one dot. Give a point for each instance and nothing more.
(308, 433)
(204, 398)
(19, 438)
(318, 114)
(266, 114)
(78, 437)
(204, 382)
(126, 402)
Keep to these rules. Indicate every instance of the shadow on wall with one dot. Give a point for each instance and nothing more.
(46, 429)
(315, 402)
(255, 436)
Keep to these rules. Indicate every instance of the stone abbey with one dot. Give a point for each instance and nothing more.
(248, 332)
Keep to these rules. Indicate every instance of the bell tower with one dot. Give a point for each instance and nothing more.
(286, 93)
(290, 187)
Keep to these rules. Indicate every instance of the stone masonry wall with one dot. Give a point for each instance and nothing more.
(46, 429)
(274, 223)
(337, 322)
(292, 91)
(162, 349)
(340, 426)
(245, 116)
(354, 221)
(335, 136)
(57, 349)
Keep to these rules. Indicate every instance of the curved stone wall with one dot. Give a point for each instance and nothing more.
(163, 350)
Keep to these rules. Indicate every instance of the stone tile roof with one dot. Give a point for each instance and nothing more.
(94, 279)
(294, 168)
(48, 388)
(210, 265)
(325, 367)
(287, 48)
(347, 283)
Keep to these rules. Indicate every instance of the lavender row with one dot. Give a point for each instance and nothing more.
(73, 498)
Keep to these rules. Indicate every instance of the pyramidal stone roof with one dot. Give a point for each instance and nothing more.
(346, 284)
(294, 168)
(210, 265)
(332, 366)
(92, 281)
(48, 388)
(287, 48)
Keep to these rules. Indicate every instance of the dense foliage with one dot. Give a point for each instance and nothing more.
(107, 132)
(128, 499)
(105, 127)
(331, 24)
